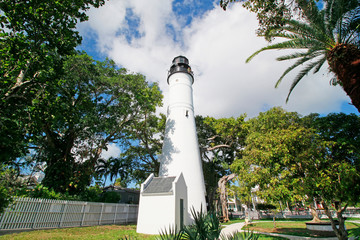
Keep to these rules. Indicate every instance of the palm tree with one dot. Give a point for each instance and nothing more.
(119, 167)
(102, 168)
(331, 34)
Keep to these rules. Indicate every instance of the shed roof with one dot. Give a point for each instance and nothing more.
(160, 185)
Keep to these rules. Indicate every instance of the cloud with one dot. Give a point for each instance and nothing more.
(113, 151)
(144, 36)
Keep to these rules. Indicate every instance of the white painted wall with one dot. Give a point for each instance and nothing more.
(156, 213)
(181, 153)
(180, 193)
(159, 212)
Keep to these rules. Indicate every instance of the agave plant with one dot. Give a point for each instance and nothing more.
(323, 35)
(206, 226)
(241, 236)
(171, 234)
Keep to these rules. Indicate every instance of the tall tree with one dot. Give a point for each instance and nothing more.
(149, 135)
(102, 169)
(220, 140)
(330, 34)
(286, 154)
(35, 37)
(93, 104)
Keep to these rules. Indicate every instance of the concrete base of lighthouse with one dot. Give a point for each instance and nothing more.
(163, 204)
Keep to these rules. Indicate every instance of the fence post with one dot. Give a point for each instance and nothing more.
(3, 216)
(114, 215)
(63, 214)
(102, 208)
(127, 213)
(37, 212)
(83, 217)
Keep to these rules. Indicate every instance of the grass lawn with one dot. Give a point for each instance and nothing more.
(96, 232)
(297, 228)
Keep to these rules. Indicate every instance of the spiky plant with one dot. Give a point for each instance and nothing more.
(171, 234)
(206, 226)
(329, 34)
(247, 235)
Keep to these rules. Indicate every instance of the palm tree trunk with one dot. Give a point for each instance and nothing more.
(344, 61)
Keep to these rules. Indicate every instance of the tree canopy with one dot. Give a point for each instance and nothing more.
(35, 38)
(319, 32)
(289, 156)
(93, 104)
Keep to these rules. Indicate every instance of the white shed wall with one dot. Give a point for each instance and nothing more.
(156, 213)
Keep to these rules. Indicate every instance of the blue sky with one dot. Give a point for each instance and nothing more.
(144, 36)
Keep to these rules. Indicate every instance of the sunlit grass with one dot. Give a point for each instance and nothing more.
(96, 232)
(297, 228)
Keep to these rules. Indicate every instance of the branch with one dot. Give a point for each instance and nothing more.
(217, 146)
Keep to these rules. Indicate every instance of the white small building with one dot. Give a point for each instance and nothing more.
(164, 199)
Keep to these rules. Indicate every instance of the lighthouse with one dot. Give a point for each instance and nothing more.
(167, 200)
(181, 153)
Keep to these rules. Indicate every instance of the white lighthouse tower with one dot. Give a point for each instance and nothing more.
(166, 201)
(181, 153)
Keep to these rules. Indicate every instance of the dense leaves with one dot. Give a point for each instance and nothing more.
(102, 104)
(327, 32)
(220, 140)
(35, 36)
(292, 158)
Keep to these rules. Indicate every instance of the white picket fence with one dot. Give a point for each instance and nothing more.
(33, 213)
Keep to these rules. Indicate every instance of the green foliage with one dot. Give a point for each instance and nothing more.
(149, 134)
(110, 197)
(270, 13)
(35, 37)
(220, 141)
(318, 33)
(5, 191)
(90, 194)
(290, 161)
(103, 105)
(246, 235)
(41, 191)
(10, 185)
(205, 227)
(171, 234)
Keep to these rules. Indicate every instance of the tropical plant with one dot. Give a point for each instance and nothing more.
(246, 235)
(102, 169)
(289, 161)
(119, 167)
(206, 226)
(330, 34)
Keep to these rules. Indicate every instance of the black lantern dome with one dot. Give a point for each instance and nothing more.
(180, 64)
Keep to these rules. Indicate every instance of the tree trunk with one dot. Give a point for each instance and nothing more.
(314, 213)
(223, 195)
(344, 61)
(341, 233)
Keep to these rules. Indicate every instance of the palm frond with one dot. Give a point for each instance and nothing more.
(292, 44)
(306, 30)
(292, 56)
(300, 75)
(296, 64)
(320, 63)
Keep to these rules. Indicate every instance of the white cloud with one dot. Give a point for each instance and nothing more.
(217, 45)
(113, 151)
